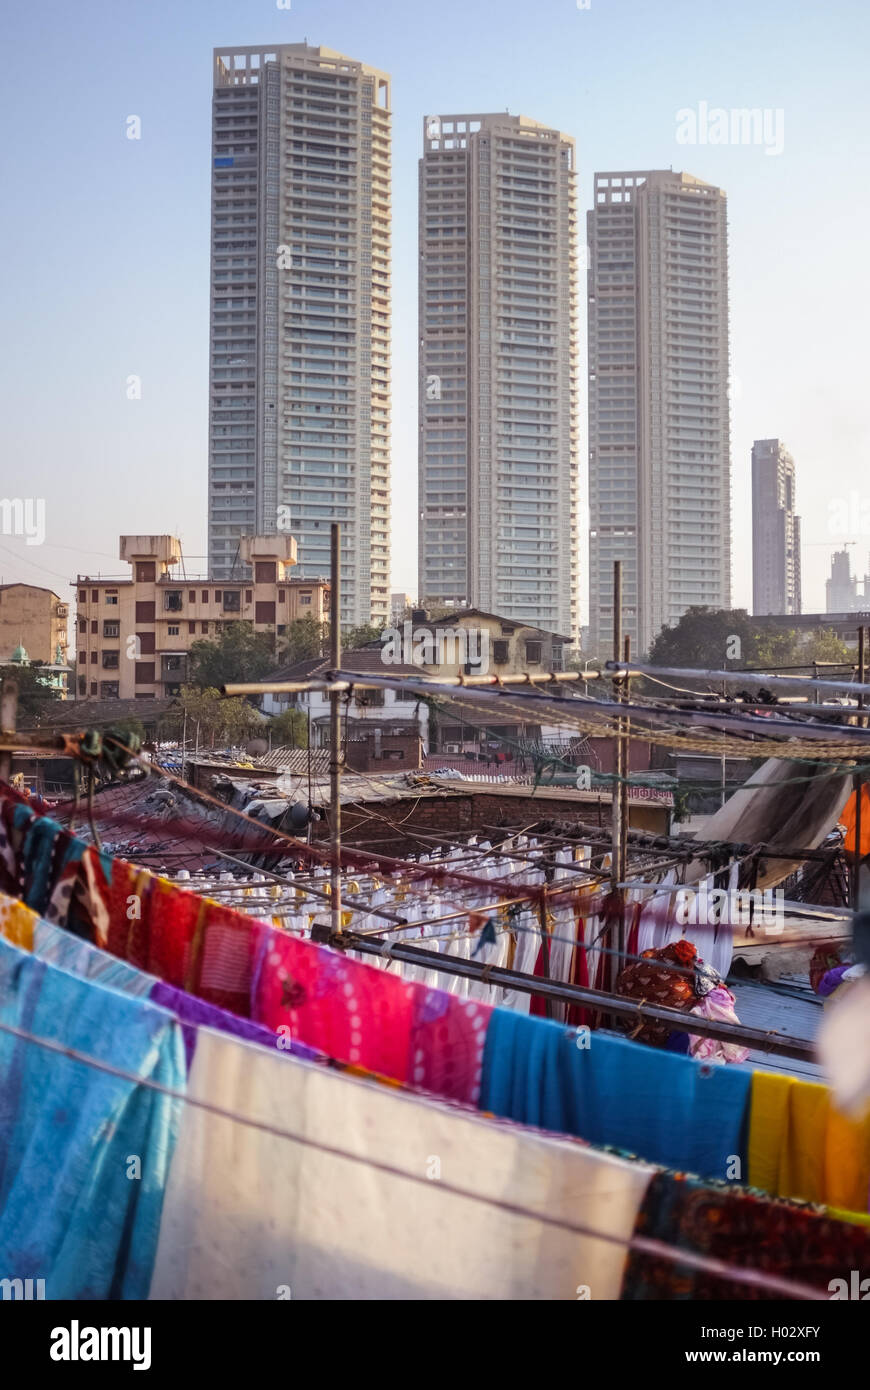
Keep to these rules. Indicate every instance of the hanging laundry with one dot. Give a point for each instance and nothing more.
(744, 1229)
(17, 922)
(84, 1154)
(801, 1146)
(249, 1213)
(665, 1108)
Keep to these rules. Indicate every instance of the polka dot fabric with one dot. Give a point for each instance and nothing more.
(371, 1019)
(354, 1012)
(447, 1040)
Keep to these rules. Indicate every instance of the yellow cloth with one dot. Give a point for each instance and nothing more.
(801, 1146)
(17, 922)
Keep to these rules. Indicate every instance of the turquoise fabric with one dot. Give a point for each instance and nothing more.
(59, 947)
(71, 1210)
(687, 1115)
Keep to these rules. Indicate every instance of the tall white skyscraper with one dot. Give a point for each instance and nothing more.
(299, 373)
(659, 437)
(776, 531)
(498, 422)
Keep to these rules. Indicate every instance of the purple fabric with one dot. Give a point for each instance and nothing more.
(193, 1013)
(831, 979)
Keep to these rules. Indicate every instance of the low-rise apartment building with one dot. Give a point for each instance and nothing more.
(133, 634)
(35, 618)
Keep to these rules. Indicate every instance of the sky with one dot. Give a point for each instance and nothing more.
(105, 240)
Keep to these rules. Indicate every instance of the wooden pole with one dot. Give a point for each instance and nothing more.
(335, 728)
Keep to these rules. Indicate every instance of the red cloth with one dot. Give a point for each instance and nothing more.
(354, 1012)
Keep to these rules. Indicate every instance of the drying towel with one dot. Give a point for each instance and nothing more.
(801, 1146)
(666, 1108)
(250, 1215)
(73, 1210)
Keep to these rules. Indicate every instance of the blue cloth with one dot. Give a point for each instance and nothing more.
(60, 947)
(71, 1210)
(667, 1109)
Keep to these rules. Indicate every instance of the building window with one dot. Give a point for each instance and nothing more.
(145, 612)
(93, 658)
(173, 631)
(146, 572)
(83, 656)
(83, 624)
(191, 629)
(217, 595)
(146, 641)
(282, 595)
(112, 598)
(533, 653)
(111, 661)
(205, 595)
(265, 572)
(93, 687)
(232, 600)
(83, 685)
(558, 657)
(95, 595)
(111, 628)
(95, 627)
(172, 601)
(204, 629)
(191, 595)
(109, 690)
(144, 673)
(264, 612)
(501, 653)
(83, 595)
(304, 599)
(248, 596)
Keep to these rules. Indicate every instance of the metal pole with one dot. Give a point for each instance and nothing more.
(335, 728)
(859, 784)
(763, 1039)
(616, 804)
(623, 866)
(8, 722)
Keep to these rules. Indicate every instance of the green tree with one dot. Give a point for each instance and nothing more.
(34, 694)
(704, 638)
(304, 638)
(355, 637)
(289, 729)
(238, 653)
(221, 719)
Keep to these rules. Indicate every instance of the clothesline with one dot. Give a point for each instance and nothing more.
(644, 1245)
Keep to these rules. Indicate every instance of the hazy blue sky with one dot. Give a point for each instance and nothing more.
(105, 240)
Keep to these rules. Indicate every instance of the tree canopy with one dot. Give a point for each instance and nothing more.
(238, 653)
(716, 638)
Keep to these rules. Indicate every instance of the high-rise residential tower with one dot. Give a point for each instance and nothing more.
(659, 439)
(776, 531)
(299, 377)
(498, 369)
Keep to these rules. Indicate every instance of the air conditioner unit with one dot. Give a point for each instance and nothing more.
(452, 748)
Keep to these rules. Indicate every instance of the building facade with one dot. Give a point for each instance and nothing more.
(498, 452)
(659, 435)
(36, 618)
(844, 591)
(776, 531)
(133, 635)
(299, 376)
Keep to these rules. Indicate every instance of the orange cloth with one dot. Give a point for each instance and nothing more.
(801, 1146)
(847, 818)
